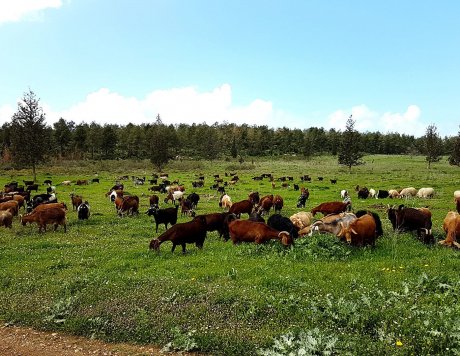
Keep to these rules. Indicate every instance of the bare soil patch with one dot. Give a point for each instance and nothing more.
(22, 341)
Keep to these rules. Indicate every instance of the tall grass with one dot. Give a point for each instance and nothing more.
(100, 280)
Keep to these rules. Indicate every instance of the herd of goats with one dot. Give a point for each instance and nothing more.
(358, 228)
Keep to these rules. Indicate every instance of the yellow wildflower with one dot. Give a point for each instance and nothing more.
(399, 343)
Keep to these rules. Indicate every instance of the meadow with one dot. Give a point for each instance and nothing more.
(319, 296)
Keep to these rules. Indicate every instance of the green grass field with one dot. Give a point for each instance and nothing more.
(100, 279)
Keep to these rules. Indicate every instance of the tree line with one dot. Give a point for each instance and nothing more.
(28, 135)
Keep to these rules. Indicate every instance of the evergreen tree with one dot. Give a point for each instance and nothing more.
(94, 138)
(63, 135)
(233, 149)
(158, 144)
(433, 145)
(349, 151)
(80, 138)
(109, 142)
(29, 134)
(454, 158)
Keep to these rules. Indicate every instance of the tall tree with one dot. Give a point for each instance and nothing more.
(454, 158)
(234, 149)
(63, 135)
(433, 145)
(350, 151)
(109, 142)
(158, 144)
(94, 138)
(29, 134)
(80, 137)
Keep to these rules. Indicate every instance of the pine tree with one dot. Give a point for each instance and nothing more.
(349, 151)
(158, 144)
(454, 158)
(433, 145)
(30, 136)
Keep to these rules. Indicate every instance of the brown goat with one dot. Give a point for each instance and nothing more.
(154, 200)
(12, 205)
(53, 215)
(20, 199)
(215, 222)
(181, 234)
(334, 207)
(76, 201)
(451, 227)
(266, 203)
(6, 218)
(278, 204)
(129, 205)
(41, 207)
(241, 207)
(360, 232)
(258, 232)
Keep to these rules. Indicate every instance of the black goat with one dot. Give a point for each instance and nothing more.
(164, 216)
(282, 223)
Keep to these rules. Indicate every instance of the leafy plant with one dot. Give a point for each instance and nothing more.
(181, 341)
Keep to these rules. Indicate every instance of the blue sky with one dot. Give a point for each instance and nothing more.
(394, 65)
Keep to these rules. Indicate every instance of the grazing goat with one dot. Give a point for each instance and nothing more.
(381, 194)
(49, 206)
(154, 201)
(11, 205)
(241, 207)
(412, 219)
(174, 196)
(265, 204)
(6, 218)
(278, 204)
(181, 234)
(225, 202)
(215, 222)
(425, 193)
(187, 207)
(43, 217)
(408, 192)
(129, 205)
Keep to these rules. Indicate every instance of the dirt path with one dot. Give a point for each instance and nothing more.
(20, 341)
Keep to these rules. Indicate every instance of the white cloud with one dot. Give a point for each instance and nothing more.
(177, 105)
(188, 105)
(6, 113)
(407, 122)
(16, 10)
